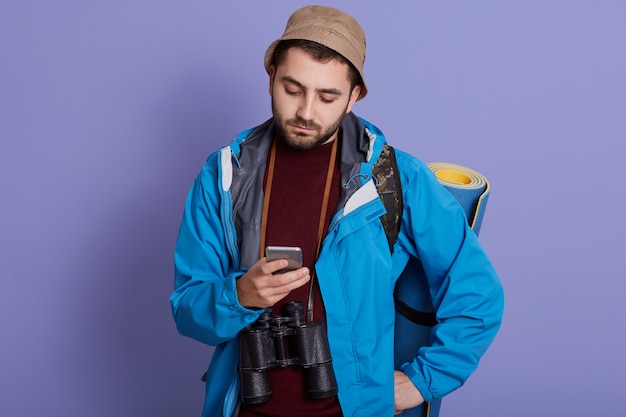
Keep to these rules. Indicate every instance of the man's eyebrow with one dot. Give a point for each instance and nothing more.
(290, 80)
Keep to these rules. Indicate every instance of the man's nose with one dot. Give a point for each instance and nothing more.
(306, 108)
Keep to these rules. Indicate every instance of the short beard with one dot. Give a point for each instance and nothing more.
(293, 140)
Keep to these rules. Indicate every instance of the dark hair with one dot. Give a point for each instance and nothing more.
(319, 52)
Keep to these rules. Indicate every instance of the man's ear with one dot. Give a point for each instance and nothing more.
(272, 72)
(354, 96)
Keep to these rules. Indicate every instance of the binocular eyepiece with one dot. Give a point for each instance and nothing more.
(262, 346)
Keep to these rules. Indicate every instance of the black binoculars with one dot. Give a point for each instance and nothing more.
(263, 346)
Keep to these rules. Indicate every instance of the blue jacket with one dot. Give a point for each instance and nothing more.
(219, 239)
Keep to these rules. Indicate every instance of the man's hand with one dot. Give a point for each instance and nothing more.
(406, 395)
(258, 288)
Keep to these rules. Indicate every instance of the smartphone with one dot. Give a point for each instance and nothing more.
(293, 254)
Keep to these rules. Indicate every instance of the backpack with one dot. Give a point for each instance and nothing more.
(390, 191)
(412, 326)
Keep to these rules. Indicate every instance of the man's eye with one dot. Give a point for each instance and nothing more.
(291, 92)
(326, 100)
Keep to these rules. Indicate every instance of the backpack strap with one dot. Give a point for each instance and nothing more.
(415, 316)
(389, 188)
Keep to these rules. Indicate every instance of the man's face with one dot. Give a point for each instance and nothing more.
(310, 98)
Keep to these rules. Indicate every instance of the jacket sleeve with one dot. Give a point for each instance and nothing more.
(204, 302)
(464, 287)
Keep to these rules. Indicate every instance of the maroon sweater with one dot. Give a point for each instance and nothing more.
(293, 219)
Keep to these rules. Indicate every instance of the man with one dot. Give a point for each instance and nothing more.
(304, 178)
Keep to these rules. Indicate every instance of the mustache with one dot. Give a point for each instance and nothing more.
(308, 124)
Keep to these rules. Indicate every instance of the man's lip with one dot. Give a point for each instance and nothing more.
(299, 127)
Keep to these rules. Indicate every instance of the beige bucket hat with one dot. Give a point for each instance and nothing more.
(330, 27)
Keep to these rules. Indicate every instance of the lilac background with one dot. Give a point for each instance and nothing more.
(108, 109)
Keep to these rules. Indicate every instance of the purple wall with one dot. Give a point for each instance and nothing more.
(108, 109)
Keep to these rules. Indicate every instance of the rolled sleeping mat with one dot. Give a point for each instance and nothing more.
(471, 189)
